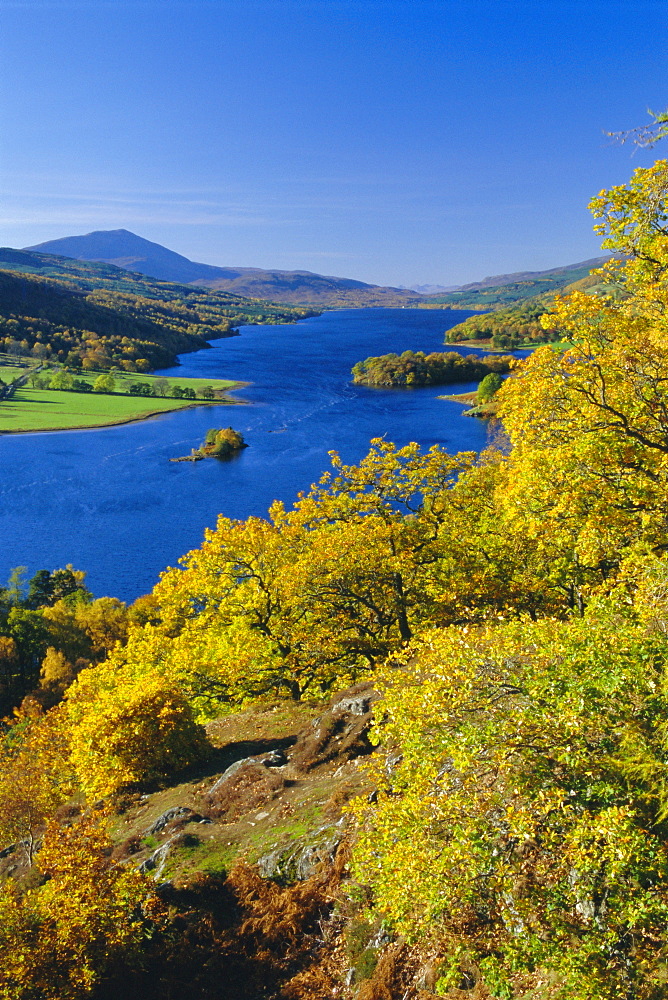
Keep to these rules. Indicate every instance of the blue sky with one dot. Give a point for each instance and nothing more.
(394, 141)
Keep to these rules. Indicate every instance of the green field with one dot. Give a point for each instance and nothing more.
(48, 409)
(8, 372)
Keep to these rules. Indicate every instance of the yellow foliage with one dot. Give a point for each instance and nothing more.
(57, 940)
(56, 669)
(124, 729)
(521, 799)
(35, 777)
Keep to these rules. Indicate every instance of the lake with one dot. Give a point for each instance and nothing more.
(110, 501)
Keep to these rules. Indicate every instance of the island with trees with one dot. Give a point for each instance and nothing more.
(415, 368)
(220, 442)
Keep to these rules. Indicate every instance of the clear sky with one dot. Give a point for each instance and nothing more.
(394, 141)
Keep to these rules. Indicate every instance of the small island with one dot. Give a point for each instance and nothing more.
(220, 442)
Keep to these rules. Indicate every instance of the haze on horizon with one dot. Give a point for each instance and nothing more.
(391, 141)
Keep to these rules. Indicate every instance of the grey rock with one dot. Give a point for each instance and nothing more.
(275, 758)
(297, 862)
(177, 812)
(229, 773)
(157, 861)
(354, 705)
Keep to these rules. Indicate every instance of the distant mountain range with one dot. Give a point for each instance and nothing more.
(504, 290)
(124, 249)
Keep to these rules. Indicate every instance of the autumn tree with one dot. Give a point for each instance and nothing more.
(317, 593)
(588, 426)
(35, 778)
(58, 939)
(521, 821)
(123, 729)
(521, 814)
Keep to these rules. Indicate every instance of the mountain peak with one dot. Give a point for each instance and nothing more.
(134, 253)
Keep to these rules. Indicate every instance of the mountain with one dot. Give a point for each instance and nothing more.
(126, 250)
(502, 290)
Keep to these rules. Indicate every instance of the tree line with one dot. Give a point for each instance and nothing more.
(113, 382)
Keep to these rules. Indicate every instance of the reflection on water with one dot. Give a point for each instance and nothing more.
(110, 501)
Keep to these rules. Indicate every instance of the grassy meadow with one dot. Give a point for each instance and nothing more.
(36, 409)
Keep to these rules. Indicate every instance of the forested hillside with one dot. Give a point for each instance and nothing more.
(503, 615)
(95, 315)
(521, 325)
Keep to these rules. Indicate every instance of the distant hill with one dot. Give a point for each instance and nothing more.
(126, 250)
(519, 324)
(503, 290)
(96, 315)
(520, 276)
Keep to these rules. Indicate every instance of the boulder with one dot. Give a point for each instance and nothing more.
(177, 812)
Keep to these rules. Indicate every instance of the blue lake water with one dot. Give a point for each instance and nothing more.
(110, 501)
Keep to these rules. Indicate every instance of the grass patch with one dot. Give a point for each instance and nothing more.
(48, 409)
(9, 372)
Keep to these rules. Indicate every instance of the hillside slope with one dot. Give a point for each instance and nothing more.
(519, 324)
(510, 289)
(101, 314)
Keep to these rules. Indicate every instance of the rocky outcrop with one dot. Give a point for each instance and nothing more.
(339, 734)
(299, 861)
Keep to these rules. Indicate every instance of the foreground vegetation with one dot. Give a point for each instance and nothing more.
(509, 835)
